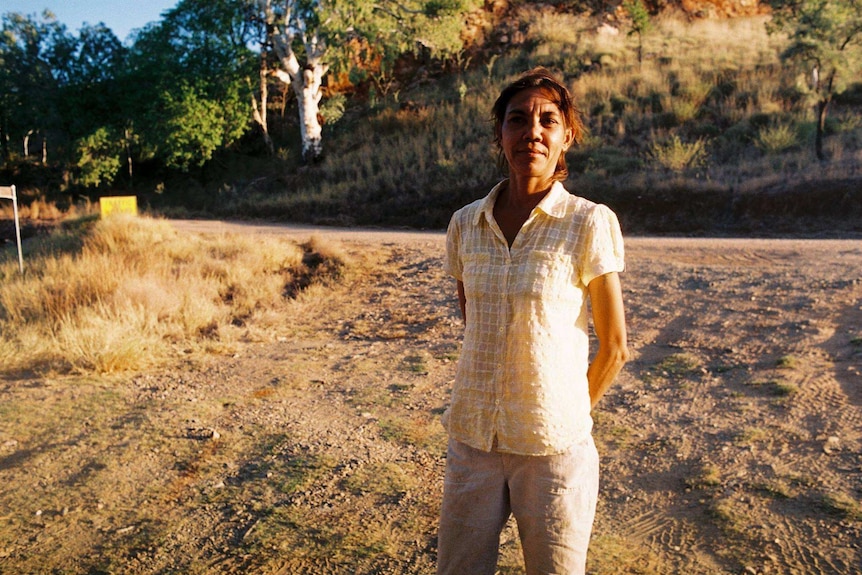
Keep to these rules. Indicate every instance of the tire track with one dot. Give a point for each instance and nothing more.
(791, 554)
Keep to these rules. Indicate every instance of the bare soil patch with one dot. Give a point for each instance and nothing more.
(731, 443)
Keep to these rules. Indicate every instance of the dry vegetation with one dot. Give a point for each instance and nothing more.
(130, 293)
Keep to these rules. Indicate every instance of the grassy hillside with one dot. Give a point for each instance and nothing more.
(709, 134)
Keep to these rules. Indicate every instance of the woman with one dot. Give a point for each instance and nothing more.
(526, 258)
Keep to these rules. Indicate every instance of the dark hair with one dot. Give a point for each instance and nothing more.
(554, 89)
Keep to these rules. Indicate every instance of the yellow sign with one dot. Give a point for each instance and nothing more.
(118, 205)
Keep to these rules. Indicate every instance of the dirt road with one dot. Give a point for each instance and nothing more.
(732, 442)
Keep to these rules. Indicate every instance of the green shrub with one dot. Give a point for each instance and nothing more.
(776, 138)
(98, 158)
(677, 156)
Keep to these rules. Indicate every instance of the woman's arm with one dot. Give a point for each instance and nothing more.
(462, 301)
(609, 322)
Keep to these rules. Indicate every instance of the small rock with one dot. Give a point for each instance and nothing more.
(832, 445)
(202, 433)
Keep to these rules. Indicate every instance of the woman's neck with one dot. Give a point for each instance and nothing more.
(526, 192)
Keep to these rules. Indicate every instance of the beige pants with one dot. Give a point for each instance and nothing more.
(553, 499)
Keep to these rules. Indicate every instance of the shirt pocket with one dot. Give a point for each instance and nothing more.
(546, 276)
(477, 276)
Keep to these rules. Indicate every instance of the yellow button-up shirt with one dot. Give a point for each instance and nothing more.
(522, 374)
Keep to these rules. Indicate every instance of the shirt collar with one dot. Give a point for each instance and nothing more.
(553, 204)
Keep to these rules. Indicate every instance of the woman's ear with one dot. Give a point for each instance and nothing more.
(570, 138)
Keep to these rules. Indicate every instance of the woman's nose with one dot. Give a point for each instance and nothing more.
(534, 130)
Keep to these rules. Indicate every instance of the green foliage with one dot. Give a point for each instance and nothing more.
(56, 84)
(195, 65)
(390, 28)
(193, 126)
(825, 35)
(640, 21)
(29, 92)
(639, 14)
(417, 146)
(826, 38)
(98, 157)
(332, 108)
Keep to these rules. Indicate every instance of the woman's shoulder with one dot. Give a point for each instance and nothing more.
(578, 205)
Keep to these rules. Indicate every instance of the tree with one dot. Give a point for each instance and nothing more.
(98, 157)
(195, 64)
(90, 103)
(28, 97)
(825, 36)
(295, 28)
(640, 22)
(193, 125)
(308, 37)
(58, 84)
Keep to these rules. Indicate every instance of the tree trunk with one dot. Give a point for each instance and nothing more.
(306, 83)
(825, 92)
(822, 108)
(308, 93)
(128, 149)
(4, 137)
(259, 111)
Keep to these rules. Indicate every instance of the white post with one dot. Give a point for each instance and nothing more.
(8, 192)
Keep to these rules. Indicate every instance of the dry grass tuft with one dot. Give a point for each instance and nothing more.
(706, 476)
(388, 480)
(127, 293)
(843, 505)
(616, 554)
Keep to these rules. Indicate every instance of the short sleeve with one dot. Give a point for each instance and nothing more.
(452, 264)
(604, 251)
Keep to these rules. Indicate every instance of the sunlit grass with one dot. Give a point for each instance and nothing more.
(127, 293)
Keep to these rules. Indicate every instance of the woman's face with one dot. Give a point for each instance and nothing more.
(534, 134)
